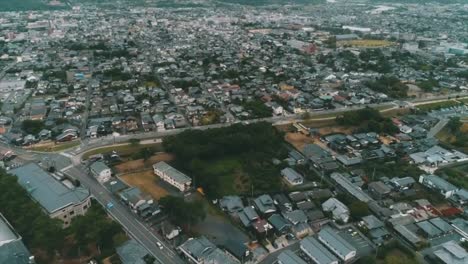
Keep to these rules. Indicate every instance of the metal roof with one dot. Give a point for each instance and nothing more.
(51, 194)
(407, 234)
(319, 253)
(12, 249)
(350, 187)
(451, 253)
(172, 172)
(98, 167)
(441, 224)
(338, 243)
(428, 228)
(289, 257)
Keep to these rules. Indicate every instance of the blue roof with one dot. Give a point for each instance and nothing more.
(51, 194)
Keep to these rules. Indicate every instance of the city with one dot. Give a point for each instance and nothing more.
(233, 131)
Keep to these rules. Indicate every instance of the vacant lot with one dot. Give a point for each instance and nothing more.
(140, 164)
(147, 182)
(438, 105)
(365, 43)
(298, 140)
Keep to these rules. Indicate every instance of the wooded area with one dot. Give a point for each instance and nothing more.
(217, 159)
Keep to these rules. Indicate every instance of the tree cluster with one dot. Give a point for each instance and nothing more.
(368, 119)
(389, 85)
(257, 109)
(181, 212)
(254, 145)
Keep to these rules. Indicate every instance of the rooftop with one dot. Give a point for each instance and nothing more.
(48, 192)
(329, 235)
(318, 251)
(172, 172)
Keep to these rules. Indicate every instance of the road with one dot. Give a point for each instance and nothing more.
(437, 128)
(139, 230)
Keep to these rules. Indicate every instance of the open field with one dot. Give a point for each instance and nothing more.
(140, 164)
(122, 150)
(147, 182)
(298, 140)
(365, 43)
(53, 147)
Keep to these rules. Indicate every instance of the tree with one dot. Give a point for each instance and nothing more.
(134, 141)
(454, 124)
(32, 126)
(181, 212)
(358, 209)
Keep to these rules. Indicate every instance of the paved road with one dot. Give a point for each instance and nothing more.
(437, 128)
(137, 229)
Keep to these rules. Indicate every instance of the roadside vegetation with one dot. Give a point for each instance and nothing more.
(230, 160)
(92, 235)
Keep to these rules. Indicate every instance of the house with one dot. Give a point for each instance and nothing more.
(292, 177)
(401, 184)
(295, 217)
(202, 251)
(131, 252)
(261, 227)
(172, 176)
(139, 202)
(281, 225)
(346, 184)
(317, 252)
(169, 230)
(231, 204)
(438, 184)
(336, 244)
(407, 234)
(319, 157)
(337, 208)
(100, 171)
(378, 189)
(12, 249)
(56, 199)
(450, 252)
(248, 215)
(282, 202)
(289, 257)
(265, 204)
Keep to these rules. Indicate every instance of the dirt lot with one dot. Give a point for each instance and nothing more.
(147, 182)
(336, 129)
(298, 140)
(137, 165)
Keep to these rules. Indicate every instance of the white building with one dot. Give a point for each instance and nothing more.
(100, 171)
(338, 209)
(172, 176)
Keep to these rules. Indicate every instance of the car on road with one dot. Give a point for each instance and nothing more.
(159, 245)
(110, 205)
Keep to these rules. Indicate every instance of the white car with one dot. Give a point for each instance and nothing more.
(159, 245)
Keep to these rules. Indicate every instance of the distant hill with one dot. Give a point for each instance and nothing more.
(25, 5)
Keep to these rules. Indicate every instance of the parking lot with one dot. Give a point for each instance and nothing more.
(354, 238)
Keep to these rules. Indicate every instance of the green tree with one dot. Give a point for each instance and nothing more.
(454, 124)
(32, 126)
(358, 209)
(181, 212)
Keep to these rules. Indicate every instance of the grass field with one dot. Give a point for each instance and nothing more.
(53, 147)
(366, 43)
(123, 150)
(147, 182)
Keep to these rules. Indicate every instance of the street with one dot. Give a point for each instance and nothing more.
(137, 229)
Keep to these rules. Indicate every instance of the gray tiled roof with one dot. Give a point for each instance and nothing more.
(51, 194)
(131, 252)
(12, 249)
